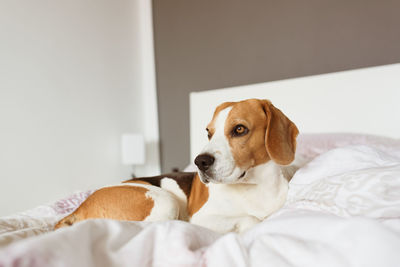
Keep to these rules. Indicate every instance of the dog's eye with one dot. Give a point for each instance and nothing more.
(239, 130)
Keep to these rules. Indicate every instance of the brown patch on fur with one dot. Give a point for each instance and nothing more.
(280, 137)
(198, 196)
(183, 179)
(118, 203)
(247, 150)
(271, 134)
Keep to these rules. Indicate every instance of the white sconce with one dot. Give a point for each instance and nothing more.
(133, 149)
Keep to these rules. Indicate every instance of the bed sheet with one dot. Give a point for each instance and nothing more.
(343, 209)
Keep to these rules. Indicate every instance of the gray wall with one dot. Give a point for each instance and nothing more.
(209, 44)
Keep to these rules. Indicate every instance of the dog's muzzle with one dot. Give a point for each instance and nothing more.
(204, 162)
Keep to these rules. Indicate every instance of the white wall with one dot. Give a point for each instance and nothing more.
(71, 83)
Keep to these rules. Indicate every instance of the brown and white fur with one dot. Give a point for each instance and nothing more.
(243, 176)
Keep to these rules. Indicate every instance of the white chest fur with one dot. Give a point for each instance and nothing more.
(230, 205)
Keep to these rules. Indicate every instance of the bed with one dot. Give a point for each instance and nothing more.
(343, 207)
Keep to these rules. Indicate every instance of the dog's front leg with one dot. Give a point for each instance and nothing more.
(225, 224)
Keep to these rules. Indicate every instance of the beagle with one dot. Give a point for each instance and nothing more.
(243, 175)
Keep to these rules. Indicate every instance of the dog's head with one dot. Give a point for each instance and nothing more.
(243, 135)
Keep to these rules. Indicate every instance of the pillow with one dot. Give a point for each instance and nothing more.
(349, 181)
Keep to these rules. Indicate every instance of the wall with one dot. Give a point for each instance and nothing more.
(202, 45)
(74, 78)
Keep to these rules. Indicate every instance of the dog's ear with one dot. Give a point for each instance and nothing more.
(280, 135)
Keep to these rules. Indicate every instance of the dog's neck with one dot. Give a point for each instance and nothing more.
(262, 173)
(267, 175)
(262, 191)
(269, 181)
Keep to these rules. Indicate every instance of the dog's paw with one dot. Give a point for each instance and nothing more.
(245, 223)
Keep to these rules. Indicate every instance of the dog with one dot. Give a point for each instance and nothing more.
(243, 175)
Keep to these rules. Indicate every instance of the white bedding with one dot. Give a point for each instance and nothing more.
(343, 209)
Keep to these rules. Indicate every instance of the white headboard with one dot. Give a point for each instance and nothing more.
(359, 101)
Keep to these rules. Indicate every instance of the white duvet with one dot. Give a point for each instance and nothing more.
(343, 209)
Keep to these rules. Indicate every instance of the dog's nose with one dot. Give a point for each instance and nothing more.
(204, 161)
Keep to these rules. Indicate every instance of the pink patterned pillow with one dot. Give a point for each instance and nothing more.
(311, 145)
